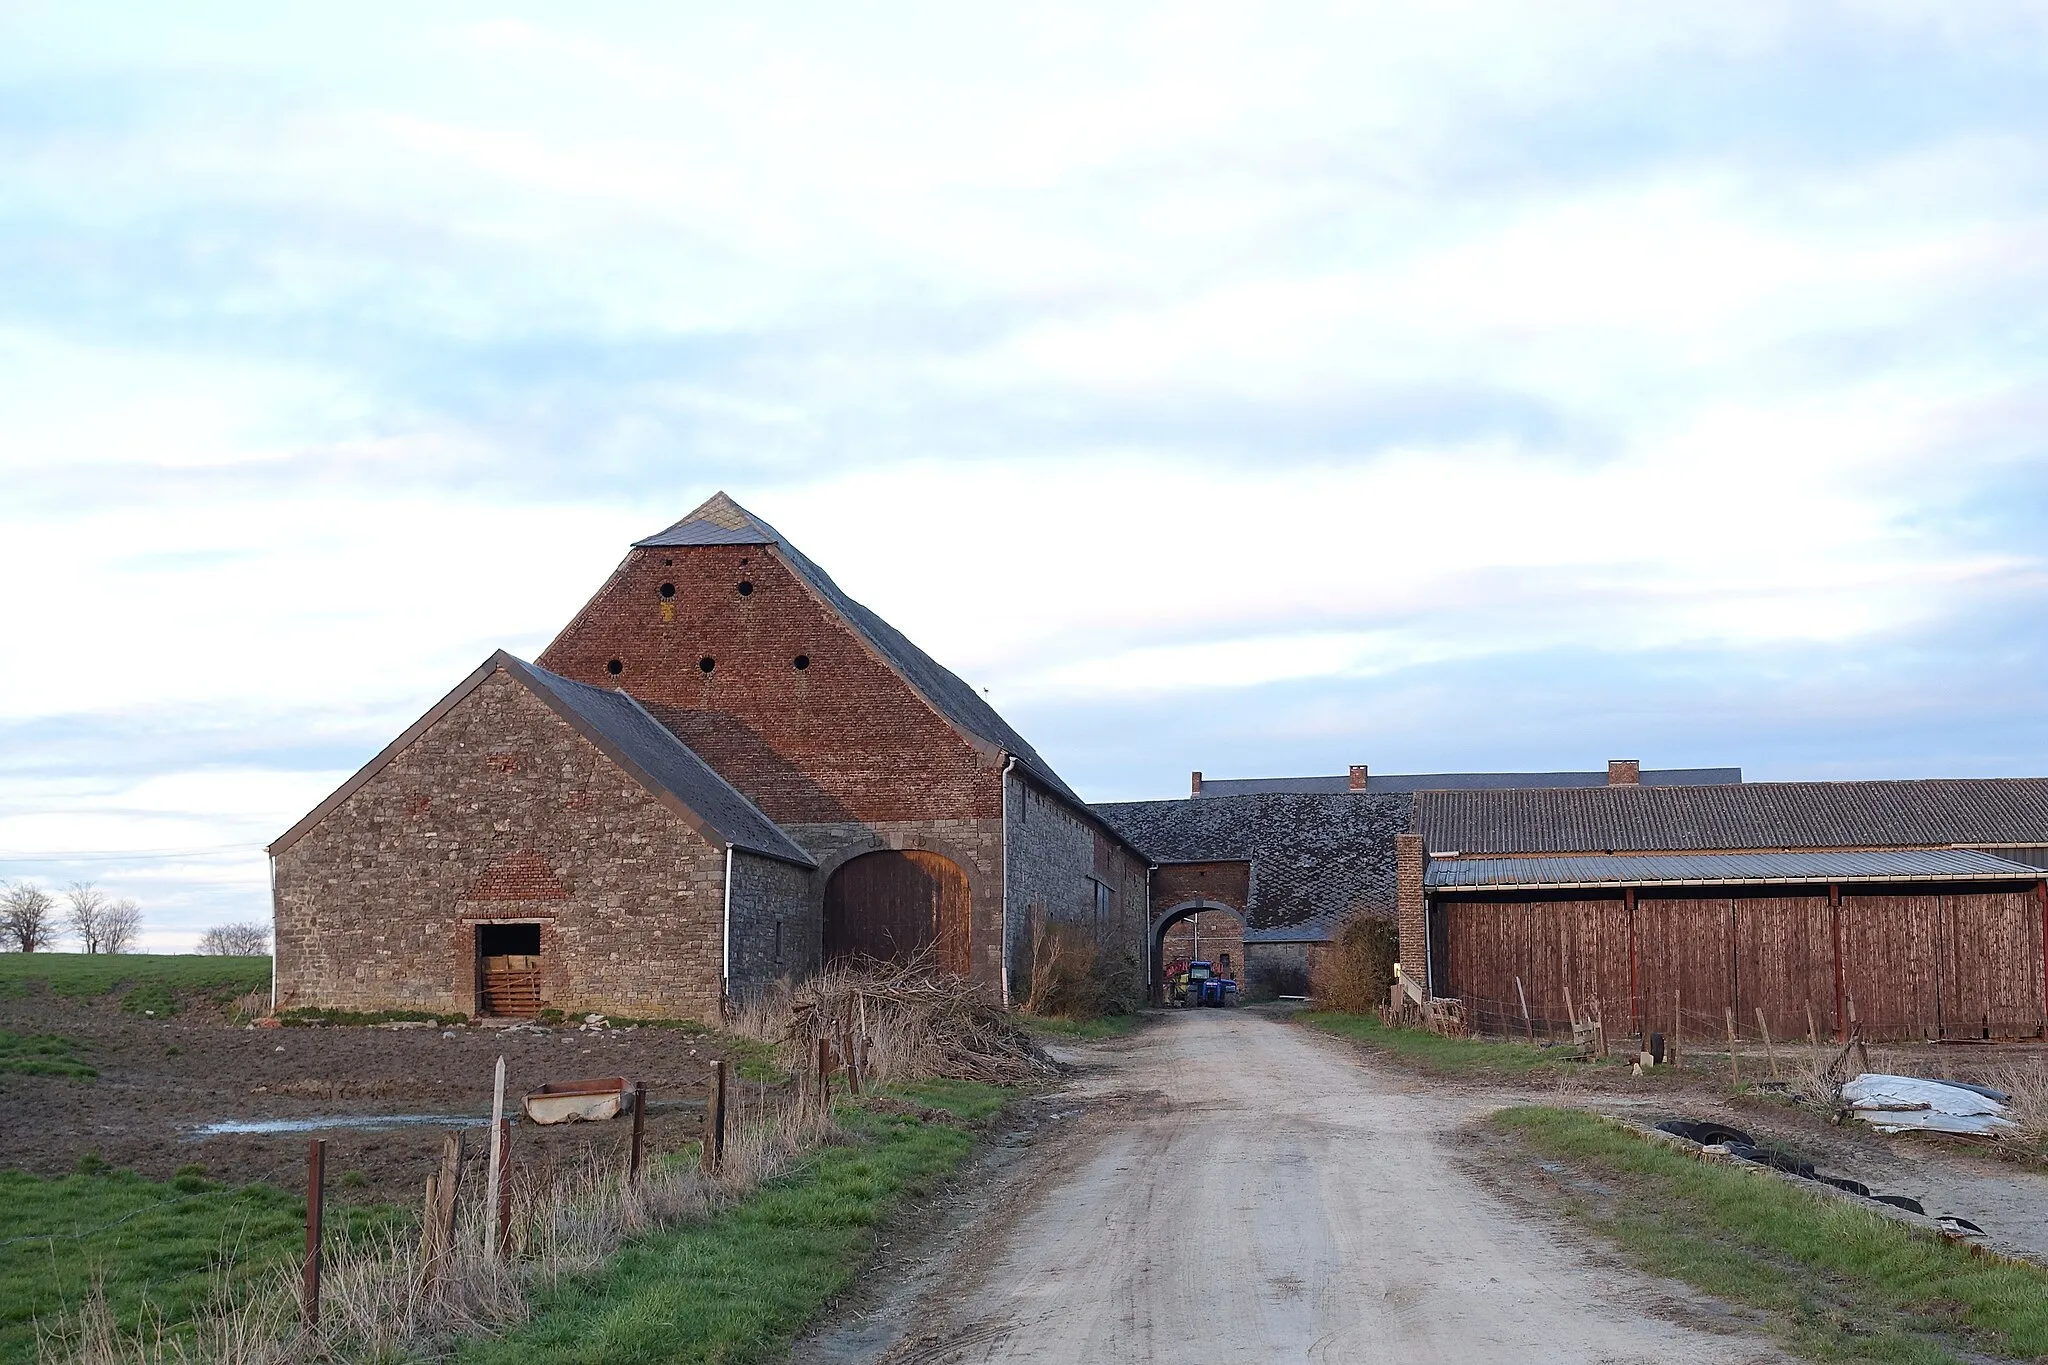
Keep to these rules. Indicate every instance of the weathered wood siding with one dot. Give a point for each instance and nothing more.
(1914, 963)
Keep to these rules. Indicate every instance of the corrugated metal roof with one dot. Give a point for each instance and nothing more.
(1753, 815)
(1722, 869)
(721, 521)
(1388, 784)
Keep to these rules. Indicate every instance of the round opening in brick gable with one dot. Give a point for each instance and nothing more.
(800, 662)
(668, 563)
(746, 588)
(707, 663)
(668, 590)
(615, 668)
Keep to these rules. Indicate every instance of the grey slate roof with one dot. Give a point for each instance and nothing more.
(1377, 784)
(1723, 869)
(721, 521)
(663, 761)
(1316, 859)
(1753, 815)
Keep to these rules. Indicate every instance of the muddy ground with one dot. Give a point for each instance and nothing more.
(160, 1081)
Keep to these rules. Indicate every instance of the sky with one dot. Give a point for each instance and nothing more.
(1252, 388)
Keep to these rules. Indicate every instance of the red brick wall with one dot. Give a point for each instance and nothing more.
(1210, 935)
(1219, 932)
(502, 812)
(1409, 909)
(843, 739)
(1176, 883)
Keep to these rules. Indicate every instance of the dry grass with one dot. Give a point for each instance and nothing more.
(904, 1022)
(2027, 1083)
(1073, 976)
(380, 1303)
(1352, 974)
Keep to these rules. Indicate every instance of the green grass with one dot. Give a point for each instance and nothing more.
(1839, 1282)
(42, 1054)
(165, 1254)
(740, 1286)
(153, 981)
(1433, 1052)
(1109, 1026)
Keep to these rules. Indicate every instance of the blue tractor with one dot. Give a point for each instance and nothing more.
(1200, 985)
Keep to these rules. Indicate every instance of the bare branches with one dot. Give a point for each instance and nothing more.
(100, 923)
(121, 926)
(27, 918)
(244, 939)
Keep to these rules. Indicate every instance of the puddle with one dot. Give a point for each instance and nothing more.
(357, 1122)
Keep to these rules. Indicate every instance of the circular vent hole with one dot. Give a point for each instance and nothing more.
(707, 663)
(668, 590)
(615, 668)
(800, 662)
(746, 588)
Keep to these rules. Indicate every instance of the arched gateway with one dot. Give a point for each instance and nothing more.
(1204, 930)
(895, 904)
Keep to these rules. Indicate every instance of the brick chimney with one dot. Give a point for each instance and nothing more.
(1358, 777)
(1195, 784)
(1624, 772)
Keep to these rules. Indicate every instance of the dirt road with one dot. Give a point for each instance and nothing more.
(1268, 1194)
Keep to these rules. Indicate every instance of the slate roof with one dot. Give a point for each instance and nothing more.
(1316, 859)
(640, 742)
(721, 521)
(1753, 815)
(621, 728)
(1723, 869)
(1377, 784)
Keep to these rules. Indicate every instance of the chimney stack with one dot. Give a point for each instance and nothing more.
(1195, 784)
(1358, 777)
(1624, 772)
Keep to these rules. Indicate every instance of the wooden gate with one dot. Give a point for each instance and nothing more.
(893, 905)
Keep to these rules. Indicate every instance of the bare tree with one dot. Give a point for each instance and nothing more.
(245, 939)
(120, 925)
(87, 915)
(25, 911)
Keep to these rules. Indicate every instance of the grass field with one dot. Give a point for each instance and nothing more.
(742, 1285)
(152, 1246)
(1432, 1052)
(42, 1054)
(1839, 1282)
(150, 981)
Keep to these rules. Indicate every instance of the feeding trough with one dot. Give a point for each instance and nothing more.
(570, 1101)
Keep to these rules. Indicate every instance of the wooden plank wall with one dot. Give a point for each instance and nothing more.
(1915, 965)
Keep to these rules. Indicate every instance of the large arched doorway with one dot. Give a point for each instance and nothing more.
(896, 904)
(1201, 930)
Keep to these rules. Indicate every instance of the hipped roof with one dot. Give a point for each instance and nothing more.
(624, 732)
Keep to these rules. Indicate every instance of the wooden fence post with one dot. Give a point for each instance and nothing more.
(639, 1129)
(497, 1163)
(852, 1063)
(713, 1154)
(1734, 1070)
(1763, 1027)
(316, 1209)
(825, 1073)
(1528, 1028)
(502, 1191)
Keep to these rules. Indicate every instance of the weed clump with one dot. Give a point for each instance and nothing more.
(1351, 974)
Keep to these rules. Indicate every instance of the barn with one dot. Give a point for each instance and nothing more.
(720, 723)
(1903, 910)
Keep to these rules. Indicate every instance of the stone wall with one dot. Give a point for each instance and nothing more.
(775, 923)
(975, 846)
(1055, 862)
(501, 812)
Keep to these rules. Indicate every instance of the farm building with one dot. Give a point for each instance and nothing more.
(719, 723)
(1910, 910)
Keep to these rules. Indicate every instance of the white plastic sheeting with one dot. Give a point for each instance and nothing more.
(1894, 1104)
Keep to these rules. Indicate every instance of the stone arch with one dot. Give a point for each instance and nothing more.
(892, 904)
(1174, 914)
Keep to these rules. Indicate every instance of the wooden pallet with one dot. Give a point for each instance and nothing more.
(511, 986)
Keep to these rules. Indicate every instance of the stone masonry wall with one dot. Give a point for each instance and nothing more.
(776, 923)
(974, 846)
(1055, 862)
(501, 812)
(842, 738)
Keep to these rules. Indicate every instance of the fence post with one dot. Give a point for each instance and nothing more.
(1734, 1071)
(713, 1154)
(316, 1201)
(639, 1129)
(1677, 1027)
(497, 1165)
(852, 1063)
(502, 1192)
(1527, 1027)
(825, 1073)
(1765, 1029)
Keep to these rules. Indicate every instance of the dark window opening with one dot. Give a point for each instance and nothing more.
(615, 668)
(668, 590)
(508, 940)
(778, 940)
(746, 588)
(707, 663)
(668, 563)
(800, 662)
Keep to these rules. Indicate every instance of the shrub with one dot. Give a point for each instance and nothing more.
(1073, 976)
(1353, 972)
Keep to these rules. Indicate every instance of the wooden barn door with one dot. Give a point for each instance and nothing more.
(1555, 949)
(1784, 964)
(1891, 964)
(1990, 965)
(893, 905)
(1685, 951)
